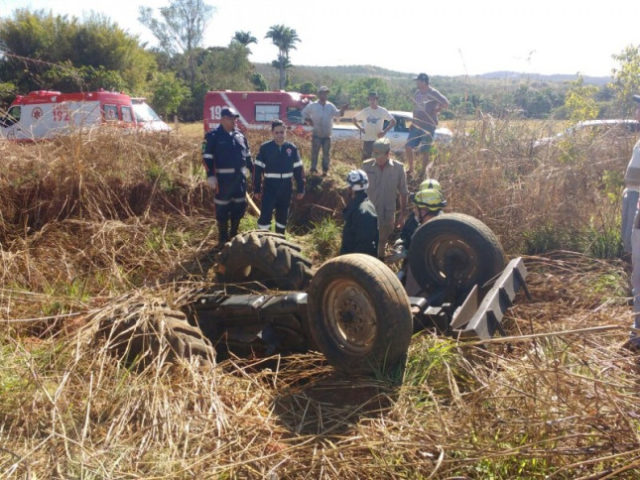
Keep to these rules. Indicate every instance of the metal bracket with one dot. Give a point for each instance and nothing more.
(484, 321)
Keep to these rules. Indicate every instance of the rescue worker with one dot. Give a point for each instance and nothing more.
(360, 230)
(227, 161)
(280, 162)
(388, 187)
(428, 203)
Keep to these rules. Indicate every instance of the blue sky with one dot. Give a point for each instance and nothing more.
(441, 38)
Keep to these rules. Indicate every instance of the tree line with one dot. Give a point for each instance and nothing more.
(43, 51)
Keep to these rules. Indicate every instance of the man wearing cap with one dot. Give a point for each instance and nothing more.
(428, 102)
(227, 161)
(370, 122)
(632, 179)
(280, 163)
(387, 184)
(360, 230)
(320, 115)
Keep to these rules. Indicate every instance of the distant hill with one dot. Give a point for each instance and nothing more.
(303, 73)
(555, 78)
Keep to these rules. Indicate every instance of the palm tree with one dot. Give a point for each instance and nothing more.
(285, 38)
(244, 38)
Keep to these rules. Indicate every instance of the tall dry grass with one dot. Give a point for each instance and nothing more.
(85, 220)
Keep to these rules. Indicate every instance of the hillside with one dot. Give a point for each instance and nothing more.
(304, 73)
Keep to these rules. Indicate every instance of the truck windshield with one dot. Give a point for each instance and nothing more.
(144, 113)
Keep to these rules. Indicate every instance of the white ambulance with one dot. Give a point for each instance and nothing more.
(45, 114)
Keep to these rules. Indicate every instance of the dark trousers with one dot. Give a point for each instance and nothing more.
(316, 144)
(277, 195)
(367, 149)
(231, 205)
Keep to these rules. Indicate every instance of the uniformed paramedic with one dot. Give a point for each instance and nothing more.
(279, 163)
(227, 161)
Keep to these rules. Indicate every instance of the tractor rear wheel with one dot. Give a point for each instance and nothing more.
(359, 315)
(141, 329)
(265, 257)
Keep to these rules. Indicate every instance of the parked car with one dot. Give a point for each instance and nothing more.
(398, 136)
(615, 126)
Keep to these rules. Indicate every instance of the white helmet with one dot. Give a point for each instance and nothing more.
(358, 180)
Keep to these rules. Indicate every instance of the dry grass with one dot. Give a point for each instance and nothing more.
(86, 220)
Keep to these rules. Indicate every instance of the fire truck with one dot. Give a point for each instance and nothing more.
(45, 114)
(257, 109)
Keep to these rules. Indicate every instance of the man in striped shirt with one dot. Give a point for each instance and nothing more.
(279, 162)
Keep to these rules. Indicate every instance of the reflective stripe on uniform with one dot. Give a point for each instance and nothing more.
(260, 164)
(278, 175)
(226, 170)
(207, 155)
(238, 200)
(297, 164)
(263, 227)
(221, 202)
(280, 225)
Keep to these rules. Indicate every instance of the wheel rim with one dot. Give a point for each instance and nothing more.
(452, 259)
(349, 316)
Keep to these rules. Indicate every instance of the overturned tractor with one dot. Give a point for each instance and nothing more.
(353, 308)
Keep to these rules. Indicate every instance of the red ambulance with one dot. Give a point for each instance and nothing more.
(257, 109)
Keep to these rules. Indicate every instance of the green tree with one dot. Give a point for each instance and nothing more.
(180, 29)
(244, 38)
(45, 51)
(285, 38)
(168, 93)
(258, 82)
(626, 78)
(580, 101)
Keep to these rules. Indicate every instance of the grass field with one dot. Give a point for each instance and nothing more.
(94, 228)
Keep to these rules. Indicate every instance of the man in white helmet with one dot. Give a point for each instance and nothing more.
(360, 230)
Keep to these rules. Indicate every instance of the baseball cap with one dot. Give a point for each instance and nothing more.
(229, 112)
(636, 98)
(423, 77)
(373, 94)
(323, 88)
(381, 145)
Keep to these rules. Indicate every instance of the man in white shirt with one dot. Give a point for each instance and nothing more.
(370, 122)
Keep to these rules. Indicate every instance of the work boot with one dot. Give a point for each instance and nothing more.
(280, 230)
(223, 234)
(234, 227)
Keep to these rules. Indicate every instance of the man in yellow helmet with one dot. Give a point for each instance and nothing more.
(428, 203)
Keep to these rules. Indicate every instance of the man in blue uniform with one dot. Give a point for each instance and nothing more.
(279, 162)
(227, 161)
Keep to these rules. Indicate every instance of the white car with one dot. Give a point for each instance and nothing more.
(398, 136)
(613, 126)
(400, 133)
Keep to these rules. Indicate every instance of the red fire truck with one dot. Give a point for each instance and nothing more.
(256, 109)
(46, 113)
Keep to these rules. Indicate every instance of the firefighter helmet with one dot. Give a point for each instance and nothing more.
(430, 196)
(358, 180)
(430, 183)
